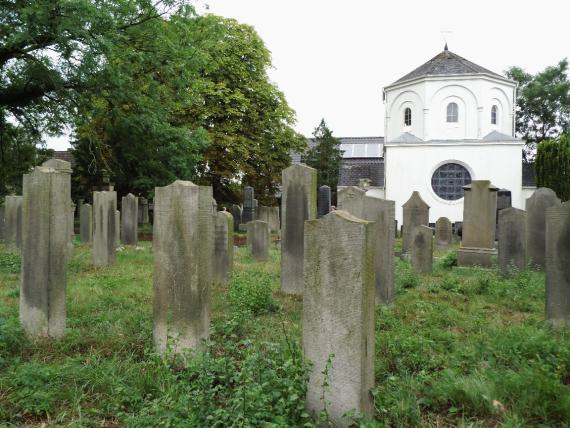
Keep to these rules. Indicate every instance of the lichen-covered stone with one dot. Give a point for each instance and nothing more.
(415, 213)
(443, 233)
(129, 219)
(421, 249)
(105, 228)
(223, 259)
(351, 199)
(258, 239)
(512, 240)
(536, 206)
(86, 223)
(270, 215)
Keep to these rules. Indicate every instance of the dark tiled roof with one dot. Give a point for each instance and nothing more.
(528, 175)
(446, 62)
(353, 169)
(66, 155)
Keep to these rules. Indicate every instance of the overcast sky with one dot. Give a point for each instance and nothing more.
(331, 58)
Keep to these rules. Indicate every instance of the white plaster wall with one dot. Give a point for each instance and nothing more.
(526, 193)
(410, 167)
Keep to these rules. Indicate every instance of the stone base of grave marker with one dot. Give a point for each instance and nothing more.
(472, 256)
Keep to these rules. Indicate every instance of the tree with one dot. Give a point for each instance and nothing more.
(325, 156)
(543, 103)
(553, 166)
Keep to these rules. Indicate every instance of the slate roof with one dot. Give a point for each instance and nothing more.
(498, 136)
(311, 142)
(353, 169)
(447, 62)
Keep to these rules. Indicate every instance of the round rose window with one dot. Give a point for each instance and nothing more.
(448, 180)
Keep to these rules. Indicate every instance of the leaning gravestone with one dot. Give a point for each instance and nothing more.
(323, 201)
(415, 213)
(479, 210)
(298, 203)
(13, 223)
(338, 315)
(351, 199)
(270, 215)
(45, 251)
(536, 206)
(182, 246)
(248, 213)
(223, 247)
(104, 227)
(129, 219)
(86, 223)
(558, 265)
(421, 249)
(443, 233)
(236, 212)
(512, 240)
(258, 239)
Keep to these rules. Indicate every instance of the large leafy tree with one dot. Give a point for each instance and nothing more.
(553, 166)
(325, 156)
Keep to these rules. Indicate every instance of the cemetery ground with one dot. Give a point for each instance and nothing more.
(459, 347)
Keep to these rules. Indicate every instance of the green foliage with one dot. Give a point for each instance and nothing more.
(449, 260)
(250, 293)
(325, 156)
(9, 262)
(553, 166)
(406, 277)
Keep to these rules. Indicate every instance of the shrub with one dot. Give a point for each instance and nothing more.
(250, 292)
(449, 260)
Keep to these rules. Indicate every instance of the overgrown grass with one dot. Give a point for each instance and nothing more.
(459, 347)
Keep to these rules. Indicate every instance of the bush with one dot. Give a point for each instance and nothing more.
(449, 260)
(250, 292)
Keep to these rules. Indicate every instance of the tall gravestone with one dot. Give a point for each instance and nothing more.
(421, 249)
(351, 199)
(129, 219)
(64, 167)
(415, 213)
(13, 223)
(2, 220)
(443, 233)
(248, 213)
(86, 223)
(117, 228)
(558, 264)
(223, 247)
(255, 208)
(104, 227)
(323, 201)
(479, 210)
(298, 203)
(72, 209)
(182, 245)
(45, 251)
(338, 315)
(270, 215)
(512, 240)
(536, 206)
(235, 211)
(258, 239)
(143, 217)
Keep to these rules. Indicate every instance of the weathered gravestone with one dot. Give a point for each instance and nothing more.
(86, 223)
(258, 239)
(143, 210)
(323, 201)
(558, 265)
(248, 212)
(536, 206)
(129, 219)
(45, 251)
(512, 240)
(479, 210)
(298, 203)
(182, 246)
(415, 213)
(2, 221)
(235, 211)
(255, 208)
(421, 249)
(223, 246)
(351, 199)
(118, 228)
(443, 233)
(71, 221)
(338, 315)
(105, 228)
(270, 215)
(13, 223)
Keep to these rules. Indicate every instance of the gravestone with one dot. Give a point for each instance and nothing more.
(558, 265)
(118, 228)
(536, 206)
(323, 201)
(86, 223)
(45, 251)
(382, 213)
(13, 223)
(443, 233)
(2, 221)
(258, 239)
(421, 249)
(479, 209)
(182, 246)
(72, 209)
(105, 227)
(223, 247)
(270, 215)
(129, 220)
(512, 240)
(415, 213)
(298, 203)
(235, 211)
(351, 199)
(255, 208)
(143, 217)
(338, 315)
(248, 212)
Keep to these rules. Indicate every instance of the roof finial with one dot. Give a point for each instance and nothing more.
(445, 48)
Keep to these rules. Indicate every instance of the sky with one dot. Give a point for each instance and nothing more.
(332, 58)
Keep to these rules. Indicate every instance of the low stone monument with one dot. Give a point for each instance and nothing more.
(86, 223)
(323, 201)
(351, 199)
(421, 249)
(258, 239)
(415, 213)
(104, 228)
(338, 315)
(298, 203)
(512, 240)
(270, 215)
(479, 210)
(13, 223)
(182, 246)
(223, 247)
(129, 220)
(45, 251)
(558, 265)
(443, 233)
(536, 206)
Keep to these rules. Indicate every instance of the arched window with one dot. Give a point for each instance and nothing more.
(452, 112)
(494, 115)
(408, 116)
(448, 180)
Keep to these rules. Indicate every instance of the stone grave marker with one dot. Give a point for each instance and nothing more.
(223, 247)
(536, 206)
(248, 212)
(512, 240)
(351, 199)
(104, 227)
(235, 211)
(415, 213)
(13, 223)
(421, 249)
(443, 233)
(258, 239)
(129, 220)
(270, 215)
(323, 201)
(86, 223)
(2, 221)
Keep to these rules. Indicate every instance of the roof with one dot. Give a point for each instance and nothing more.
(498, 136)
(312, 142)
(446, 63)
(353, 169)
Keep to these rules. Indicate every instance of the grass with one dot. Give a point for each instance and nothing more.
(459, 347)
